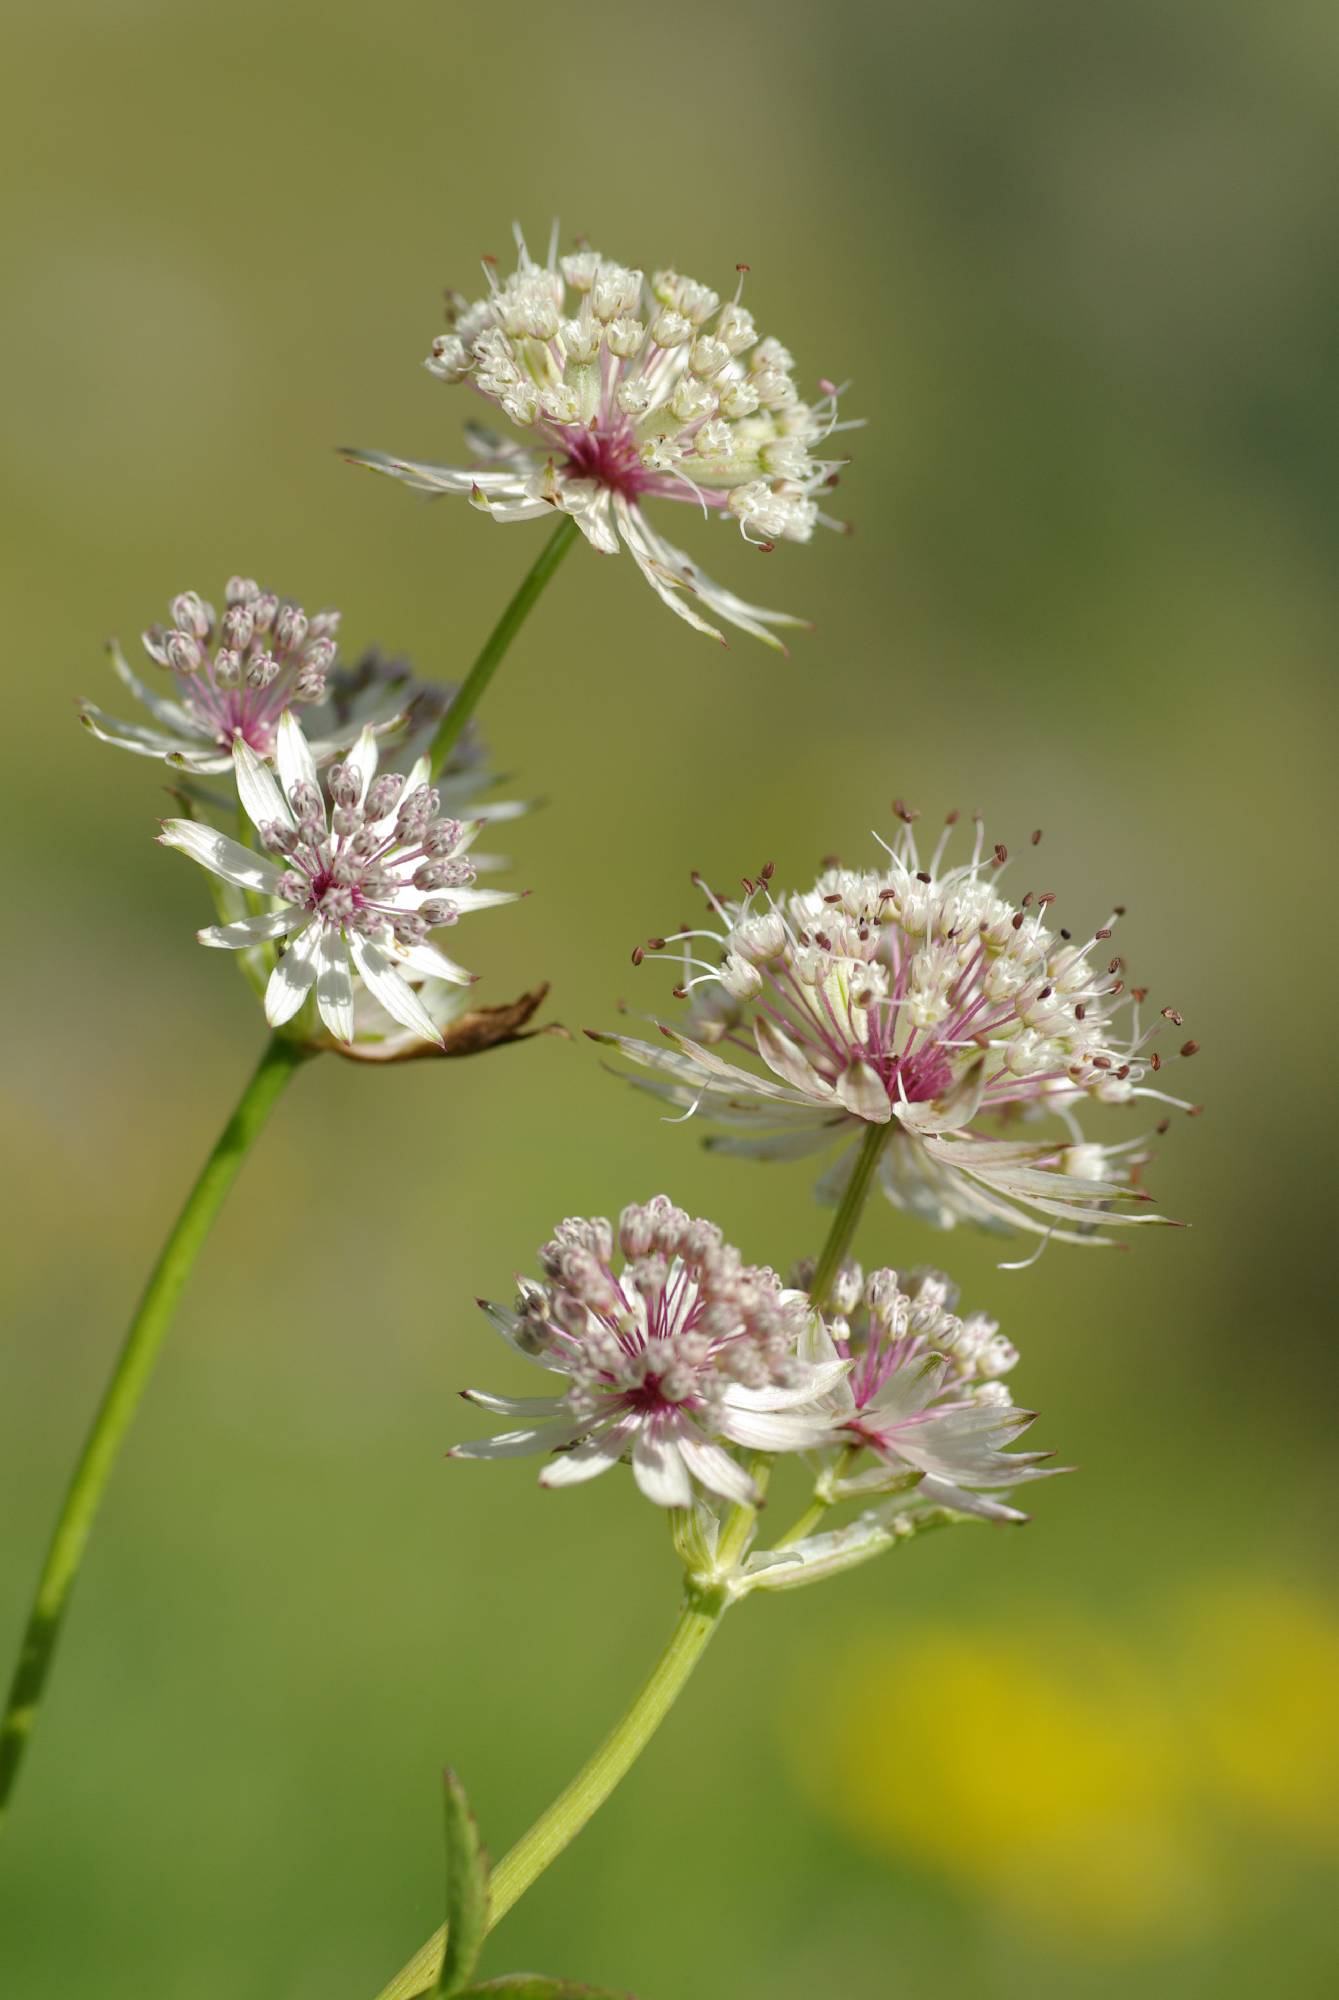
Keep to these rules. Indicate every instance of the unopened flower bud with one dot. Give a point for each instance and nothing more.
(183, 654)
(383, 794)
(290, 627)
(190, 612)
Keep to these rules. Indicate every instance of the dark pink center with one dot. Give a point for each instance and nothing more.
(610, 457)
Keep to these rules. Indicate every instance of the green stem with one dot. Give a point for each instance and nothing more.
(840, 1238)
(121, 1399)
(498, 640)
(814, 1514)
(558, 1827)
(842, 1233)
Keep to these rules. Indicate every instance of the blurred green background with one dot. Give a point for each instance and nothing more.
(1080, 265)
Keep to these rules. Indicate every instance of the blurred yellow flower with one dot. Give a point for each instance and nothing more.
(1070, 1781)
(1265, 1703)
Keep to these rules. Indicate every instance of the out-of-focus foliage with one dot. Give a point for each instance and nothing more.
(1080, 265)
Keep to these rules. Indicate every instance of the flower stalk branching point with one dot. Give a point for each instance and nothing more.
(700, 1371)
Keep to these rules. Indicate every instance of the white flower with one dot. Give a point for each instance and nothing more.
(361, 885)
(632, 391)
(232, 679)
(915, 996)
(686, 1350)
(924, 1394)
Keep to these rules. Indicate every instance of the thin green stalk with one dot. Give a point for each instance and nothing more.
(840, 1238)
(498, 640)
(121, 1399)
(842, 1233)
(814, 1514)
(558, 1827)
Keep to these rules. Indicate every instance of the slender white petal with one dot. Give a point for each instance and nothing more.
(258, 789)
(133, 736)
(425, 961)
(293, 754)
(334, 987)
(516, 1406)
(786, 1060)
(293, 977)
(713, 1467)
(364, 756)
(518, 1444)
(399, 1000)
(659, 1469)
(222, 856)
(253, 930)
(587, 1460)
(765, 1430)
(864, 1095)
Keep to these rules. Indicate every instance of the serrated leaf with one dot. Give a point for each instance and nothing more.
(538, 1986)
(466, 1891)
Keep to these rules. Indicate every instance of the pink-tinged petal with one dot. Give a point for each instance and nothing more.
(220, 855)
(293, 977)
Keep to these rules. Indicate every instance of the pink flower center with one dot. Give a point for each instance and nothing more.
(916, 1078)
(611, 457)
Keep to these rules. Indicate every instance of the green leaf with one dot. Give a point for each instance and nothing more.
(466, 1891)
(537, 1986)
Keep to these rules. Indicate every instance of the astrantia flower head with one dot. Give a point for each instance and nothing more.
(924, 1393)
(630, 390)
(682, 1352)
(232, 678)
(915, 996)
(357, 885)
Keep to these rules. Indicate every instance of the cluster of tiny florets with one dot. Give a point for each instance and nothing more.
(647, 388)
(880, 985)
(888, 1320)
(352, 870)
(683, 1318)
(236, 675)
